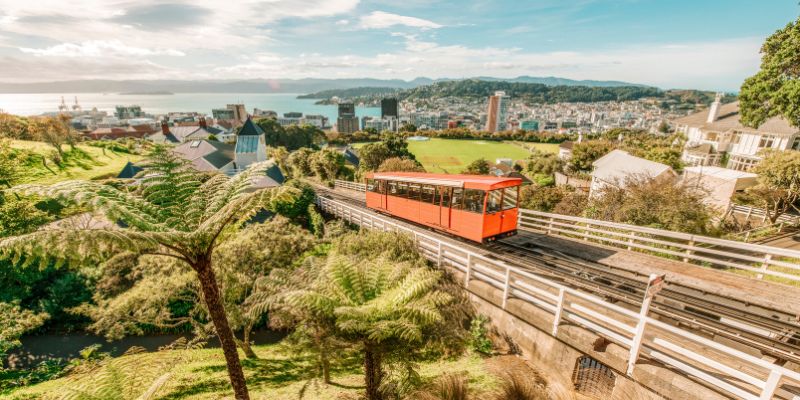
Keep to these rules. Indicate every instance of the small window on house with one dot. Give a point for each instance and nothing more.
(195, 144)
(766, 141)
(737, 137)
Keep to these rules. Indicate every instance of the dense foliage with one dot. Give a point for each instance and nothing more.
(291, 137)
(680, 207)
(775, 89)
(778, 188)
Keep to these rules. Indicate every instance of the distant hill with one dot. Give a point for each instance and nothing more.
(350, 93)
(555, 81)
(305, 85)
(529, 92)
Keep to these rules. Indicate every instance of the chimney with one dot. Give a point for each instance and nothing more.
(713, 111)
(203, 123)
(164, 127)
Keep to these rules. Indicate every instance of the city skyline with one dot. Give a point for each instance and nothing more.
(678, 44)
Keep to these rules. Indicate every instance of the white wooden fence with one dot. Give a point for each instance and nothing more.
(721, 367)
(753, 260)
(757, 260)
(750, 211)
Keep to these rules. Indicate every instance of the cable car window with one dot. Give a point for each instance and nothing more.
(428, 194)
(392, 188)
(443, 193)
(381, 186)
(458, 198)
(371, 185)
(413, 191)
(473, 200)
(402, 189)
(493, 203)
(510, 197)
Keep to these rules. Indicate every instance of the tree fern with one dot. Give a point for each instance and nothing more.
(174, 212)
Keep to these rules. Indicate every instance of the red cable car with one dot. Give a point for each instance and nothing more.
(477, 207)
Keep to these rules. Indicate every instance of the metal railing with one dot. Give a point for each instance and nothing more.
(754, 260)
(716, 365)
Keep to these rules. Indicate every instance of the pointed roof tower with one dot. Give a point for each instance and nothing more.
(250, 128)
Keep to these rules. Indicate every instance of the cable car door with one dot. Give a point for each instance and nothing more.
(444, 196)
(382, 190)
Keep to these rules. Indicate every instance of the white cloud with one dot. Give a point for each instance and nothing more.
(98, 48)
(343, 22)
(381, 20)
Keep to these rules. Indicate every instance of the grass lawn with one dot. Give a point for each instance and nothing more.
(200, 374)
(453, 155)
(86, 162)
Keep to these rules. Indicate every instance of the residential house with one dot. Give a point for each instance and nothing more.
(616, 167)
(182, 133)
(208, 155)
(717, 134)
(718, 184)
(137, 131)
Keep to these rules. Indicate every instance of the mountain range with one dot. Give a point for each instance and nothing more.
(305, 85)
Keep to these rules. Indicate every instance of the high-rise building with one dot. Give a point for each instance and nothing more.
(235, 112)
(389, 107)
(347, 121)
(128, 112)
(496, 112)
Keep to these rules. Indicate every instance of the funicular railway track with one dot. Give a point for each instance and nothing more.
(773, 332)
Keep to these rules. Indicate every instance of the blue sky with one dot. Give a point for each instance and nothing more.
(706, 44)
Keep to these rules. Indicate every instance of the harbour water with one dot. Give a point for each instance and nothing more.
(38, 103)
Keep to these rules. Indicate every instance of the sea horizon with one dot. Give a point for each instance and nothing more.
(32, 104)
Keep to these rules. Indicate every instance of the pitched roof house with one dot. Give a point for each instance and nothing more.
(208, 155)
(714, 133)
(616, 167)
(184, 133)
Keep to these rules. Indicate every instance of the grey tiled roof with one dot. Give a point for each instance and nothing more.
(728, 119)
(250, 128)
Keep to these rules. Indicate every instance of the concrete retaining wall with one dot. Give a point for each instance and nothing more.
(529, 328)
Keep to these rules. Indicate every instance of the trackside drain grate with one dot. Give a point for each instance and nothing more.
(593, 378)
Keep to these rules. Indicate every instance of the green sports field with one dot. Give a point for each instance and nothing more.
(452, 155)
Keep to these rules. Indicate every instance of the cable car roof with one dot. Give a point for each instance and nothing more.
(485, 182)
